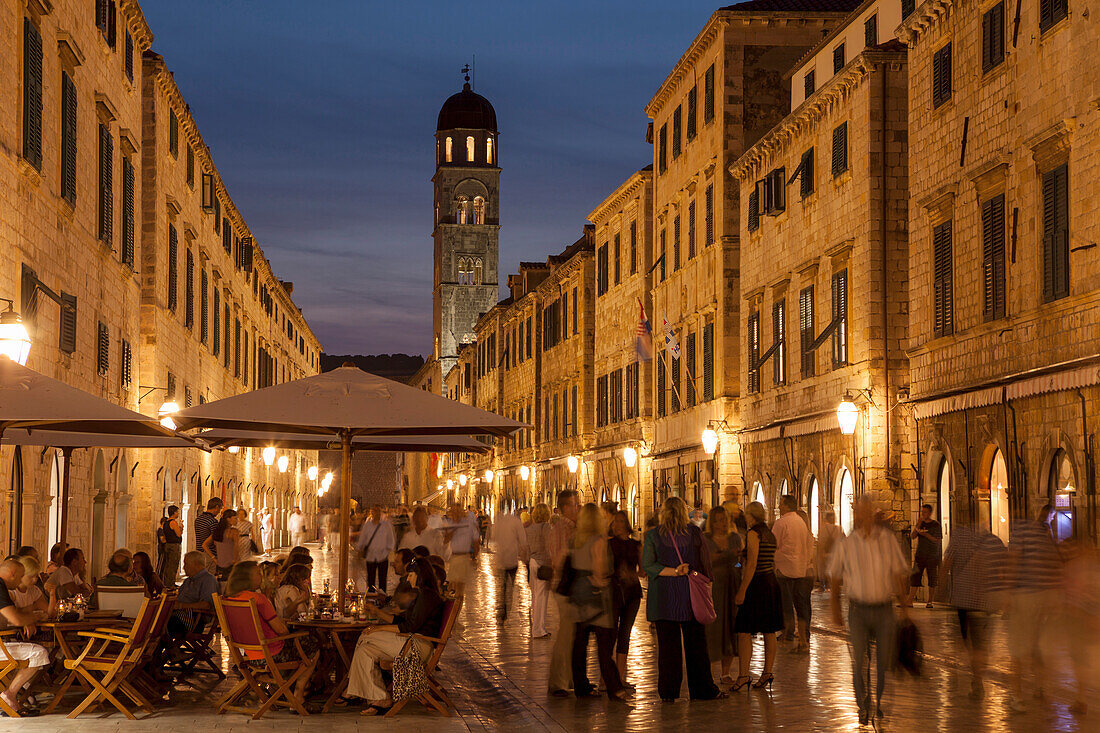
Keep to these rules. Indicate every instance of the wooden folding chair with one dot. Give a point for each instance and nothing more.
(243, 633)
(197, 648)
(436, 698)
(9, 666)
(106, 670)
(139, 678)
(125, 598)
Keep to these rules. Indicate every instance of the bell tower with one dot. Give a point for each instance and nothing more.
(467, 220)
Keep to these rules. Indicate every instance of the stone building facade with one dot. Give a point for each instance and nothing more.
(724, 93)
(824, 287)
(618, 455)
(103, 172)
(1004, 278)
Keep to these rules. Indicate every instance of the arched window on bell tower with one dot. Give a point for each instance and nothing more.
(462, 210)
(479, 210)
(448, 152)
(489, 151)
(477, 271)
(470, 149)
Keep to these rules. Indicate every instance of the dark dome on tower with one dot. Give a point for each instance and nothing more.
(467, 110)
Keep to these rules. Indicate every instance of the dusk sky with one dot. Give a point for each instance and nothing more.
(321, 116)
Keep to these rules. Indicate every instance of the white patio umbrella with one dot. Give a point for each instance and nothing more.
(221, 438)
(345, 404)
(38, 410)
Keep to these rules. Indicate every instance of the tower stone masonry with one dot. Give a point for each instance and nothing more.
(466, 221)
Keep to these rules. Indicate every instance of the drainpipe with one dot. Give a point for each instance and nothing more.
(1019, 462)
(885, 290)
(1090, 486)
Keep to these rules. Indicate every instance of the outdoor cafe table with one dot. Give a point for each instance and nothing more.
(335, 635)
(61, 646)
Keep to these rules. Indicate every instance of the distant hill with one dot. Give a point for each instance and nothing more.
(398, 367)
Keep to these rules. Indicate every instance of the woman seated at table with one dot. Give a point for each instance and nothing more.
(297, 556)
(244, 584)
(293, 595)
(379, 644)
(270, 572)
(28, 597)
(146, 575)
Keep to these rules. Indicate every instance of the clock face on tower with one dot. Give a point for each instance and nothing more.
(467, 219)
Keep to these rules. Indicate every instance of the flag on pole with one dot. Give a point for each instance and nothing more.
(644, 340)
(671, 343)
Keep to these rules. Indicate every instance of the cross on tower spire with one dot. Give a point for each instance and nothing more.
(466, 72)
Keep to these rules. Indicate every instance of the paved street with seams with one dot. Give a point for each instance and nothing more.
(498, 677)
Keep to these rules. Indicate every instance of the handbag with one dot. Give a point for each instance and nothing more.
(568, 575)
(410, 680)
(545, 572)
(702, 603)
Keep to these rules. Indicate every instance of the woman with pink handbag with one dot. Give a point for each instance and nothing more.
(677, 562)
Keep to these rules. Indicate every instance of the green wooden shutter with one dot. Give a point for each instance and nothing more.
(216, 341)
(677, 130)
(128, 215)
(573, 410)
(173, 257)
(754, 210)
(106, 192)
(779, 336)
(809, 84)
(676, 243)
(660, 387)
(68, 138)
(129, 56)
(67, 333)
(691, 229)
(662, 148)
(618, 259)
(634, 246)
(689, 382)
(943, 289)
(993, 37)
(753, 335)
(32, 94)
(692, 104)
(993, 258)
(870, 31)
(708, 95)
(840, 149)
(127, 365)
(806, 174)
(1056, 234)
(941, 76)
(840, 315)
(838, 58)
(806, 327)
(227, 237)
(708, 362)
(189, 290)
(103, 349)
(204, 312)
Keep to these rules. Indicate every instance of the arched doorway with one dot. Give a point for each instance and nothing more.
(784, 489)
(99, 514)
(995, 515)
(758, 493)
(813, 506)
(943, 492)
(57, 477)
(845, 496)
(15, 516)
(122, 505)
(1062, 489)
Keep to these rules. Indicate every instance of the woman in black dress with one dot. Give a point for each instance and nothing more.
(626, 590)
(760, 607)
(725, 547)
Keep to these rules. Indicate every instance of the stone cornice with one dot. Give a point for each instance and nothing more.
(834, 93)
(621, 195)
(701, 43)
(925, 16)
(139, 28)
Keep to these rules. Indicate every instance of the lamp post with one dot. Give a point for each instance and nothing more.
(573, 463)
(284, 462)
(15, 342)
(711, 445)
(165, 412)
(847, 416)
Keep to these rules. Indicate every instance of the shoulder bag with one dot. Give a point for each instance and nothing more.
(702, 603)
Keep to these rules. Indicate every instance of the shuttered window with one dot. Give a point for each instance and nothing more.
(907, 8)
(676, 243)
(660, 387)
(227, 237)
(173, 272)
(806, 174)
(838, 58)
(708, 95)
(32, 94)
(634, 247)
(173, 134)
(677, 130)
(615, 398)
(187, 396)
(779, 336)
(106, 190)
(601, 270)
(689, 381)
(128, 215)
(67, 339)
(554, 418)
(675, 384)
(692, 104)
(68, 138)
(217, 215)
(601, 401)
(236, 347)
(870, 31)
(191, 167)
(618, 260)
(664, 253)
(993, 258)
(753, 222)
(709, 215)
(809, 84)
(216, 341)
(691, 229)
(227, 353)
(189, 290)
(1052, 11)
(103, 350)
(126, 365)
(806, 329)
(753, 336)
(573, 410)
(840, 315)
(840, 149)
(244, 356)
(662, 149)
(993, 37)
(128, 61)
(941, 76)
(942, 285)
(170, 387)
(633, 388)
(708, 362)
(1056, 233)
(204, 300)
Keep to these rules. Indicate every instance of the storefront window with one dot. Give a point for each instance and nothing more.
(813, 506)
(845, 497)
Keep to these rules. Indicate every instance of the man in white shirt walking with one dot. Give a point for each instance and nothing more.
(297, 527)
(463, 541)
(376, 541)
(794, 546)
(509, 547)
(267, 530)
(869, 565)
(419, 533)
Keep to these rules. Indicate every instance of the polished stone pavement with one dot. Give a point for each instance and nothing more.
(498, 674)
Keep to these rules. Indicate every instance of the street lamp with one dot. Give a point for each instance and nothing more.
(284, 461)
(165, 412)
(268, 455)
(462, 479)
(524, 472)
(489, 475)
(710, 441)
(573, 463)
(450, 484)
(328, 477)
(312, 473)
(847, 414)
(630, 456)
(15, 342)
(234, 449)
